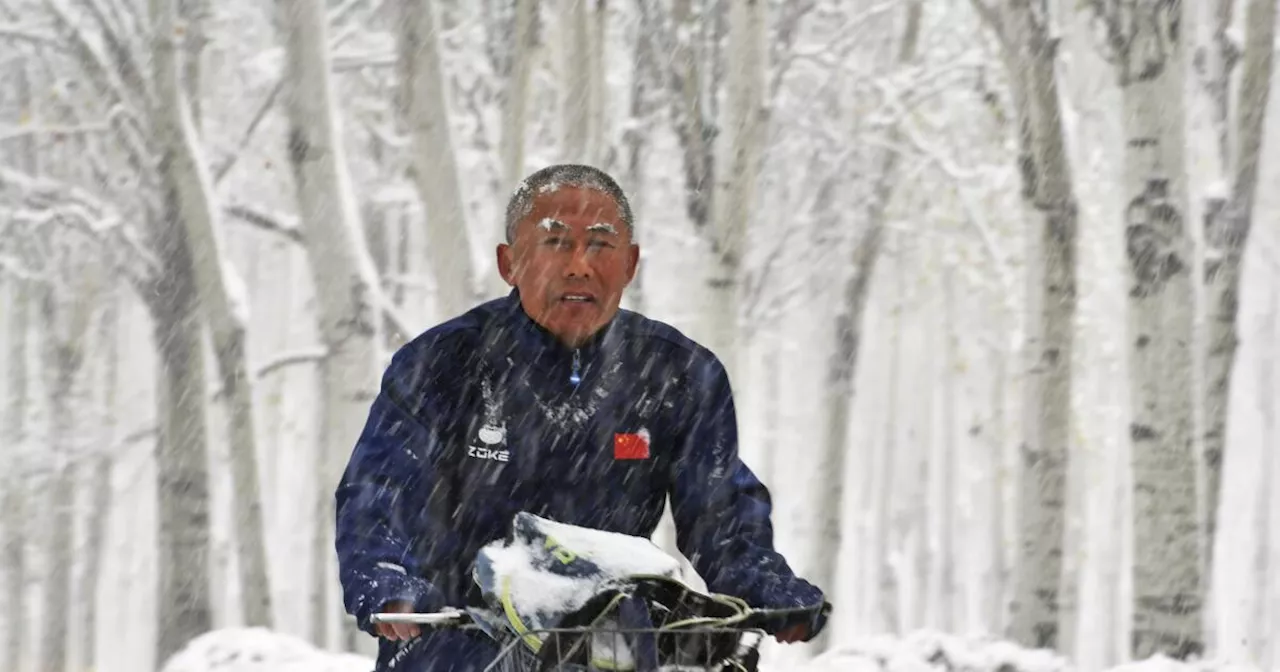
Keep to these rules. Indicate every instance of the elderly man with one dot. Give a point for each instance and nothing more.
(553, 401)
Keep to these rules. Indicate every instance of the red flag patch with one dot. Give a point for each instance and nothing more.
(631, 446)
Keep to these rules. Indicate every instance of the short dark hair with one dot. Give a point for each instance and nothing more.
(564, 175)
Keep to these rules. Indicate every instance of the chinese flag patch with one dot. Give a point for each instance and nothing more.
(631, 446)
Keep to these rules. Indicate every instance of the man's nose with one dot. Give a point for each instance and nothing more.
(578, 266)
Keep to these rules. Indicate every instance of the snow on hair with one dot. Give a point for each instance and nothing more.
(563, 175)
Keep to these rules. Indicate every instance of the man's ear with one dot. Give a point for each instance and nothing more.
(633, 261)
(506, 265)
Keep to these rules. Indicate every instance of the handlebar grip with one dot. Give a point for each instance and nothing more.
(442, 618)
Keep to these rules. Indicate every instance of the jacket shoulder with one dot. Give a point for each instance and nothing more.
(438, 353)
(656, 337)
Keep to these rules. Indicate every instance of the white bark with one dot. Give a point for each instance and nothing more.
(947, 589)
(996, 597)
(839, 386)
(639, 131)
(515, 100)
(887, 616)
(220, 293)
(1034, 617)
(13, 508)
(1228, 218)
(1267, 551)
(185, 609)
(1167, 546)
(435, 163)
(65, 319)
(691, 121)
(738, 167)
(347, 292)
(100, 492)
(1028, 54)
(576, 71)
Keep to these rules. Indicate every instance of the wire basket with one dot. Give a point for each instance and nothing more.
(615, 649)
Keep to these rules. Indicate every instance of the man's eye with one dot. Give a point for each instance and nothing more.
(599, 244)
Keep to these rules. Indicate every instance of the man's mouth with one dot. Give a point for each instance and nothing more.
(577, 297)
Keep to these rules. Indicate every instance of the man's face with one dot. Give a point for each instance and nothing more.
(571, 257)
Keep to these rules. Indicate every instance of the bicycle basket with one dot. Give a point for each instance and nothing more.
(560, 597)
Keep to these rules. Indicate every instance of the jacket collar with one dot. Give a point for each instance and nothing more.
(529, 343)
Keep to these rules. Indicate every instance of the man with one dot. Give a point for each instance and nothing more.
(553, 401)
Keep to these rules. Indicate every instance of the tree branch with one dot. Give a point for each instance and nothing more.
(23, 33)
(291, 358)
(249, 130)
(265, 221)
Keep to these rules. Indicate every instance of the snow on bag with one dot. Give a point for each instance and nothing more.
(549, 575)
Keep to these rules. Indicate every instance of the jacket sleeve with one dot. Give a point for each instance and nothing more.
(722, 510)
(380, 500)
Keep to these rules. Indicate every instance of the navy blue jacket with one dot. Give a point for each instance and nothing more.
(488, 414)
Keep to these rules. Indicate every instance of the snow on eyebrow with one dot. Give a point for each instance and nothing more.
(605, 227)
(548, 224)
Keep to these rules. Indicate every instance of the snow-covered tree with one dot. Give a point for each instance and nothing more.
(435, 164)
(839, 390)
(1237, 126)
(1144, 42)
(349, 298)
(1023, 30)
(189, 189)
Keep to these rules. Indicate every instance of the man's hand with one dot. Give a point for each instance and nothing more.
(398, 631)
(793, 634)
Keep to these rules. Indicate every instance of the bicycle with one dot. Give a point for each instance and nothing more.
(562, 598)
(693, 646)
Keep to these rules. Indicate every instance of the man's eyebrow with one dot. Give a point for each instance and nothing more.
(604, 227)
(549, 224)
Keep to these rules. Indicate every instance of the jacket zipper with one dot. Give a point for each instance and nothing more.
(575, 376)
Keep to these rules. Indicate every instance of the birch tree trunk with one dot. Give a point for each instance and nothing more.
(1265, 617)
(220, 294)
(576, 71)
(926, 470)
(100, 499)
(839, 392)
(435, 164)
(16, 492)
(739, 152)
(348, 295)
(948, 591)
(1228, 218)
(1028, 54)
(64, 320)
(888, 589)
(1146, 49)
(516, 98)
(598, 150)
(691, 121)
(996, 601)
(639, 130)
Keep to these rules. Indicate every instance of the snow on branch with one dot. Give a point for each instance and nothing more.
(22, 130)
(44, 201)
(249, 130)
(99, 67)
(291, 358)
(281, 225)
(23, 33)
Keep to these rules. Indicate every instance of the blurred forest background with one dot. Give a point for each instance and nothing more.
(997, 282)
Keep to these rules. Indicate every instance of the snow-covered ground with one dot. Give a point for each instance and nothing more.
(259, 650)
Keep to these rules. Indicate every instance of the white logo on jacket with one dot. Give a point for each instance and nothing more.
(493, 433)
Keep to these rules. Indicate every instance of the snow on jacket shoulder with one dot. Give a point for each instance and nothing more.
(487, 415)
